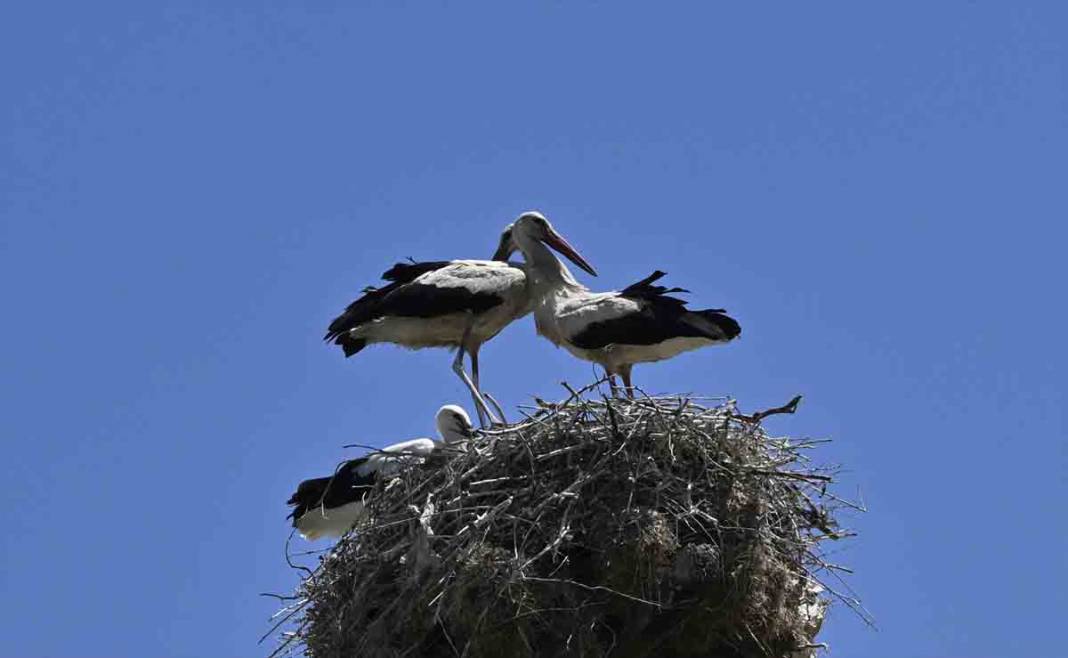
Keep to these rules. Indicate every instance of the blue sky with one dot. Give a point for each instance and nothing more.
(189, 193)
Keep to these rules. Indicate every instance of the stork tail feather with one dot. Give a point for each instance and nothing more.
(724, 327)
(351, 345)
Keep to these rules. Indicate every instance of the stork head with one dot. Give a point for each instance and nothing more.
(533, 225)
(454, 425)
(506, 247)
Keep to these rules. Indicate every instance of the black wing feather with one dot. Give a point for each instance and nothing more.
(644, 290)
(408, 272)
(660, 318)
(345, 486)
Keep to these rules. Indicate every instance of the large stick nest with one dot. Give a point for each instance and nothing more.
(648, 527)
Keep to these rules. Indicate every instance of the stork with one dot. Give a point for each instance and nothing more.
(329, 506)
(639, 324)
(452, 303)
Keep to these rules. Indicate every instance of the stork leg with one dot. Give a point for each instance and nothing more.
(483, 411)
(612, 383)
(473, 355)
(624, 373)
(485, 416)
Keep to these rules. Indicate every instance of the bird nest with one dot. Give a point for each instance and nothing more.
(667, 526)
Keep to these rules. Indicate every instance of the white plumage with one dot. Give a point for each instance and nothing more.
(573, 308)
(618, 329)
(466, 280)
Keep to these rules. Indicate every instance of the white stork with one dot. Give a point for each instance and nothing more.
(638, 324)
(329, 506)
(453, 303)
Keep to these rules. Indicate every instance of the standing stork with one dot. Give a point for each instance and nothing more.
(639, 324)
(452, 303)
(329, 506)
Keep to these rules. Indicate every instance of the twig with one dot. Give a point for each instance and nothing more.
(591, 588)
(788, 408)
(540, 504)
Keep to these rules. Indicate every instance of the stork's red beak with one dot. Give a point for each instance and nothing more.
(557, 242)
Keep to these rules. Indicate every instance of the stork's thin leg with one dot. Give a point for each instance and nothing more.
(458, 368)
(476, 397)
(612, 383)
(473, 355)
(624, 372)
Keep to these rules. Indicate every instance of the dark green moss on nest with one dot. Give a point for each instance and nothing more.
(652, 527)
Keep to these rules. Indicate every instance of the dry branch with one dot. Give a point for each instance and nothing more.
(645, 527)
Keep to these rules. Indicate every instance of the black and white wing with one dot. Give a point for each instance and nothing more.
(347, 485)
(643, 314)
(428, 290)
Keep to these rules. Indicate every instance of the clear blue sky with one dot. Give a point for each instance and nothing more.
(188, 194)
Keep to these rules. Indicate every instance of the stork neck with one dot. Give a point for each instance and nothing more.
(544, 269)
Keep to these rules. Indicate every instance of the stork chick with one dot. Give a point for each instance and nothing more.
(330, 506)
